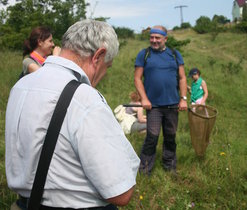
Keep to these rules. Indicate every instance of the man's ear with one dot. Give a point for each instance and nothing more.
(99, 54)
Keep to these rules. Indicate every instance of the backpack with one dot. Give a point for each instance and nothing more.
(147, 54)
(22, 73)
(125, 120)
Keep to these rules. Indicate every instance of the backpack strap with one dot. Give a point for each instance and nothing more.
(175, 57)
(50, 143)
(147, 54)
(22, 73)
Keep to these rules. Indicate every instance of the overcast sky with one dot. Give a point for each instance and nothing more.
(139, 14)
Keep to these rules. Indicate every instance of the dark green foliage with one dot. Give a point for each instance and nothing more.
(185, 25)
(176, 28)
(241, 27)
(220, 19)
(244, 18)
(173, 43)
(203, 25)
(104, 19)
(124, 32)
(17, 21)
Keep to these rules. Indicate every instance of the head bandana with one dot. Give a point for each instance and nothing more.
(157, 31)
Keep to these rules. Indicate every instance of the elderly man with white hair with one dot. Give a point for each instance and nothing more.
(93, 165)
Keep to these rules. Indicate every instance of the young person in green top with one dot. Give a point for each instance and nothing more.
(198, 89)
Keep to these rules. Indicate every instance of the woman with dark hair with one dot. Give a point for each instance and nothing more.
(38, 46)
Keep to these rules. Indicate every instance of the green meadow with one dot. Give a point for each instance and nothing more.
(216, 181)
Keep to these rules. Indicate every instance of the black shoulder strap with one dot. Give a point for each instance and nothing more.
(175, 57)
(147, 54)
(50, 143)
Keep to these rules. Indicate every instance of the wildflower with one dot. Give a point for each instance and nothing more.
(227, 169)
(191, 205)
(141, 197)
(222, 153)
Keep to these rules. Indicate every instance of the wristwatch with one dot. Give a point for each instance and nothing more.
(184, 98)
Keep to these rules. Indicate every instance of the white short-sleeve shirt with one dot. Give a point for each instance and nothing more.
(92, 161)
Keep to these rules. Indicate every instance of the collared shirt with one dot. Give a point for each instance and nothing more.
(92, 160)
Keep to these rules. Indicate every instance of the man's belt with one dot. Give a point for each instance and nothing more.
(23, 202)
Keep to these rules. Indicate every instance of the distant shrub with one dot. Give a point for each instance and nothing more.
(124, 33)
(241, 27)
(245, 12)
(220, 19)
(173, 43)
(12, 41)
(203, 25)
(185, 25)
(176, 28)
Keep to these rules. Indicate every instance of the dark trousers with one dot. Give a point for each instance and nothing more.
(168, 120)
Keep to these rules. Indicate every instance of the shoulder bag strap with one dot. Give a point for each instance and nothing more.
(50, 143)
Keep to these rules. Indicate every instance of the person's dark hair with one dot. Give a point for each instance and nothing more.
(134, 96)
(39, 33)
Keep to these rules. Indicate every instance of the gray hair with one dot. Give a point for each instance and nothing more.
(87, 36)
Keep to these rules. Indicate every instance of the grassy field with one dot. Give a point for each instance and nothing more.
(216, 181)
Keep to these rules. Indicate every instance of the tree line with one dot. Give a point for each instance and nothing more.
(17, 21)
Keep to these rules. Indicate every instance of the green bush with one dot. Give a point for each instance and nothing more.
(241, 27)
(203, 25)
(173, 43)
(124, 33)
(185, 25)
(176, 28)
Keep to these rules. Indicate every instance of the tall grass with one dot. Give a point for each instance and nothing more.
(216, 181)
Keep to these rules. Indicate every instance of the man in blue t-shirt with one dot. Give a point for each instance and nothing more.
(163, 93)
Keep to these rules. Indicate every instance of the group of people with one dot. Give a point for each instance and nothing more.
(94, 166)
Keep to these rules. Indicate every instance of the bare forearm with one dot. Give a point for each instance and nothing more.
(182, 81)
(123, 199)
(183, 86)
(140, 88)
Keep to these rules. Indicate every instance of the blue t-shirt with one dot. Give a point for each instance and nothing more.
(160, 76)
